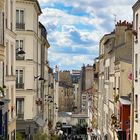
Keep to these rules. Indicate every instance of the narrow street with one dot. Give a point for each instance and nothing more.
(69, 70)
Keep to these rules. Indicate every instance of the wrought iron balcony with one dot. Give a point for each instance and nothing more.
(20, 116)
(20, 85)
(20, 26)
(19, 57)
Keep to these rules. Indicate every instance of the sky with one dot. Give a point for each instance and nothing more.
(75, 28)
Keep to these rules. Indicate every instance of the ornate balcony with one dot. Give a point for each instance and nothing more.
(20, 26)
(20, 115)
(19, 85)
(19, 58)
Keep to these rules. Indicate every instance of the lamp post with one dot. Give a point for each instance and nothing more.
(50, 100)
(20, 52)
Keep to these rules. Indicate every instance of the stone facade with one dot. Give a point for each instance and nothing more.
(136, 73)
(66, 103)
(115, 51)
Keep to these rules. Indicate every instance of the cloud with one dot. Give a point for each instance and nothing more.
(76, 27)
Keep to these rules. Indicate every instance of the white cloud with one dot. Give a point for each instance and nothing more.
(60, 23)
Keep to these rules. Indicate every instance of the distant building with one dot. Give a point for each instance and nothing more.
(75, 76)
(31, 69)
(115, 63)
(66, 102)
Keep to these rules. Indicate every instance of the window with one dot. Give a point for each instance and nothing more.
(20, 19)
(12, 60)
(136, 66)
(19, 79)
(11, 12)
(107, 73)
(137, 25)
(19, 46)
(1, 27)
(136, 107)
(136, 137)
(20, 108)
(7, 58)
(81, 121)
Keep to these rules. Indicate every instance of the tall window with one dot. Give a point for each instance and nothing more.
(136, 66)
(136, 137)
(20, 19)
(136, 102)
(136, 107)
(20, 108)
(137, 17)
(107, 73)
(12, 60)
(19, 79)
(19, 46)
(11, 12)
(1, 27)
(12, 102)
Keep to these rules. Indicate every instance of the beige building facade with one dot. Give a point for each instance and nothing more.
(136, 69)
(10, 78)
(31, 69)
(115, 64)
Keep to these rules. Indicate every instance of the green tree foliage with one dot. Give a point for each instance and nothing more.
(41, 136)
(19, 136)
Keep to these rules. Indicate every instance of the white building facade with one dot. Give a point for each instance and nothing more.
(9, 65)
(29, 69)
(136, 69)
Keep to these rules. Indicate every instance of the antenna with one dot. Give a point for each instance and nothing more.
(115, 18)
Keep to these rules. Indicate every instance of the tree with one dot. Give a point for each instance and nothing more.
(19, 136)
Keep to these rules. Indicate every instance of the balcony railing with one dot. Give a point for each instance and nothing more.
(20, 26)
(20, 116)
(20, 85)
(19, 57)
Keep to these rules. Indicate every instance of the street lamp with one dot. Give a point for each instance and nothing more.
(39, 78)
(20, 52)
(49, 100)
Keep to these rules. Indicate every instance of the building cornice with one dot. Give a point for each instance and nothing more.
(34, 2)
(33, 33)
(27, 32)
(136, 5)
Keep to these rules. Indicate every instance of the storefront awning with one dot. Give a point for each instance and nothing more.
(124, 101)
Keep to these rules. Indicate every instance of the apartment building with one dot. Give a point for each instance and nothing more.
(31, 68)
(65, 99)
(94, 121)
(136, 68)
(43, 80)
(102, 111)
(9, 65)
(75, 75)
(115, 64)
(3, 98)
